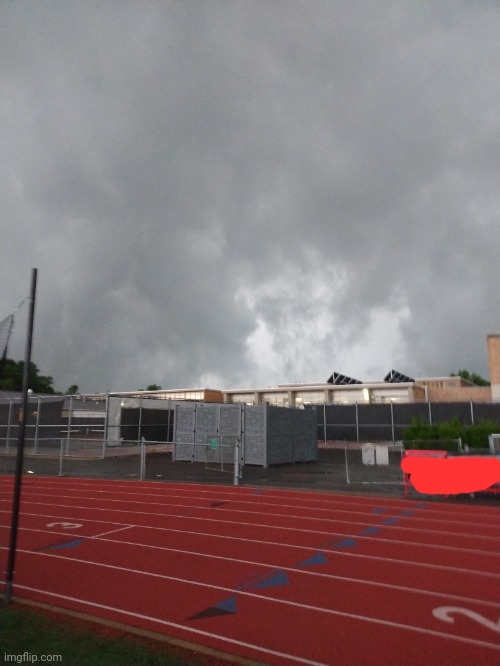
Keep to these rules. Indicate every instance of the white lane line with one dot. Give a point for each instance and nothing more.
(248, 491)
(309, 549)
(307, 607)
(175, 625)
(166, 501)
(118, 529)
(495, 539)
(292, 529)
(293, 570)
(278, 527)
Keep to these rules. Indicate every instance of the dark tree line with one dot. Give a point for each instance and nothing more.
(11, 377)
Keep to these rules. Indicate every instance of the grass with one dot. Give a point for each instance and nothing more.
(69, 641)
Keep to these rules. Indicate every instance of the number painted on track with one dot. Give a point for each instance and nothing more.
(443, 613)
(65, 526)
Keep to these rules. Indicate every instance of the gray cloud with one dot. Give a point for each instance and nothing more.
(241, 193)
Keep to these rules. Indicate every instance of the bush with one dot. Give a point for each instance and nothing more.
(421, 435)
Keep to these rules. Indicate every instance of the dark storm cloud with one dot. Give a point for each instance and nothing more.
(246, 192)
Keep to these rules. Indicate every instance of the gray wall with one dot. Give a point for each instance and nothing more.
(268, 435)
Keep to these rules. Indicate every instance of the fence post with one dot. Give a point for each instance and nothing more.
(169, 439)
(37, 423)
(139, 425)
(430, 413)
(105, 437)
(70, 418)
(143, 459)
(348, 481)
(7, 439)
(472, 412)
(61, 456)
(236, 475)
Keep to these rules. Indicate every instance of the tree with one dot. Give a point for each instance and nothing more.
(72, 390)
(153, 387)
(471, 377)
(12, 378)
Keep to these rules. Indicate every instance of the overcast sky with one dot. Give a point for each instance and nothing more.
(237, 193)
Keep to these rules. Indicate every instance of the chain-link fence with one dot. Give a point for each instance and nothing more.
(374, 464)
(86, 457)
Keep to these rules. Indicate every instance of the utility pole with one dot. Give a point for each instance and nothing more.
(20, 445)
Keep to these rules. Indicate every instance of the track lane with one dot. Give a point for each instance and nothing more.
(337, 563)
(372, 545)
(178, 601)
(416, 517)
(393, 528)
(249, 493)
(302, 599)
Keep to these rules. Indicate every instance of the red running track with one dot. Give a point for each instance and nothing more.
(282, 577)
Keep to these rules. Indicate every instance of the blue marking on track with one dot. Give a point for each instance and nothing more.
(276, 580)
(227, 605)
(370, 530)
(390, 521)
(319, 558)
(224, 607)
(74, 543)
(347, 543)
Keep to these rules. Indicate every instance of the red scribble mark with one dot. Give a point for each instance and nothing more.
(450, 476)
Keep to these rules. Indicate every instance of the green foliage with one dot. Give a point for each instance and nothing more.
(421, 435)
(72, 390)
(12, 378)
(471, 377)
(153, 387)
(23, 631)
(476, 436)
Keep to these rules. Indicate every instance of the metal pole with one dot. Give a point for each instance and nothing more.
(70, 415)
(20, 446)
(139, 425)
(105, 438)
(236, 476)
(7, 440)
(348, 481)
(37, 423)
(61, 456)
(143, 459)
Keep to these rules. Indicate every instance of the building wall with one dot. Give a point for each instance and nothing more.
(212, 395)
(297, 396)
(494, 364)
(463, 394)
